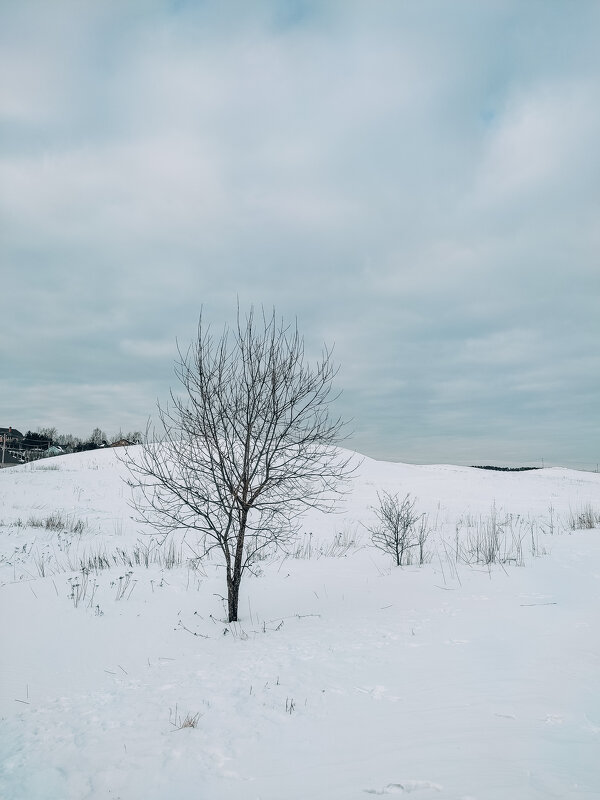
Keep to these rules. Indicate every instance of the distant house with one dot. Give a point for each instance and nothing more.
(122, 443)
(14, 438)
(10, 445)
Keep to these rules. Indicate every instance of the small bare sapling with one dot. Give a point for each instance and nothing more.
(399, 528)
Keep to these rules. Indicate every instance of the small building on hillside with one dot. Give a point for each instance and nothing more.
(14, 438)
(11, 445)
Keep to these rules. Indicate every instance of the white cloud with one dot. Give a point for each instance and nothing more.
(544, 135)
(150, 349)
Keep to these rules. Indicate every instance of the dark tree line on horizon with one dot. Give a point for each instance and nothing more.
(46, 437)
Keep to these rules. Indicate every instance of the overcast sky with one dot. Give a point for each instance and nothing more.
(418, 183)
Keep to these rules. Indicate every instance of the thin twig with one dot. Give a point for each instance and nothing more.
(538, 604)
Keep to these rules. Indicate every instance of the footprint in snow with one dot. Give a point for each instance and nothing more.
(456, 641)
(377, 693)
(554, 719)
(406, 786)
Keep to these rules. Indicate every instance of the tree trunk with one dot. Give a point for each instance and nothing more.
(233, 595)
(234, 578)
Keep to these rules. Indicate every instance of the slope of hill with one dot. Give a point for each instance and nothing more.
(345, 677)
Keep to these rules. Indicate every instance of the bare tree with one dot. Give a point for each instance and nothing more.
(246, 446)
(49, 434)
(399, 528)
(98, 437)
(133, 437)
(67, 441)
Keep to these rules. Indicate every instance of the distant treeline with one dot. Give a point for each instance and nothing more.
(504, 469)
(46, 439)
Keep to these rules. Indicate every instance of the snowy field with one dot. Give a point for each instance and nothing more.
(346, 676)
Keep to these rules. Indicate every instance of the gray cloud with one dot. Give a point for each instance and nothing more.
(417, 183)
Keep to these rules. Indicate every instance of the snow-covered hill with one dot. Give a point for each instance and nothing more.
(345, 677)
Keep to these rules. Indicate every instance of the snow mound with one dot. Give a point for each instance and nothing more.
(345, 676)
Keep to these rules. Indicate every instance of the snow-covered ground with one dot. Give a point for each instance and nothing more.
(345, 677)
